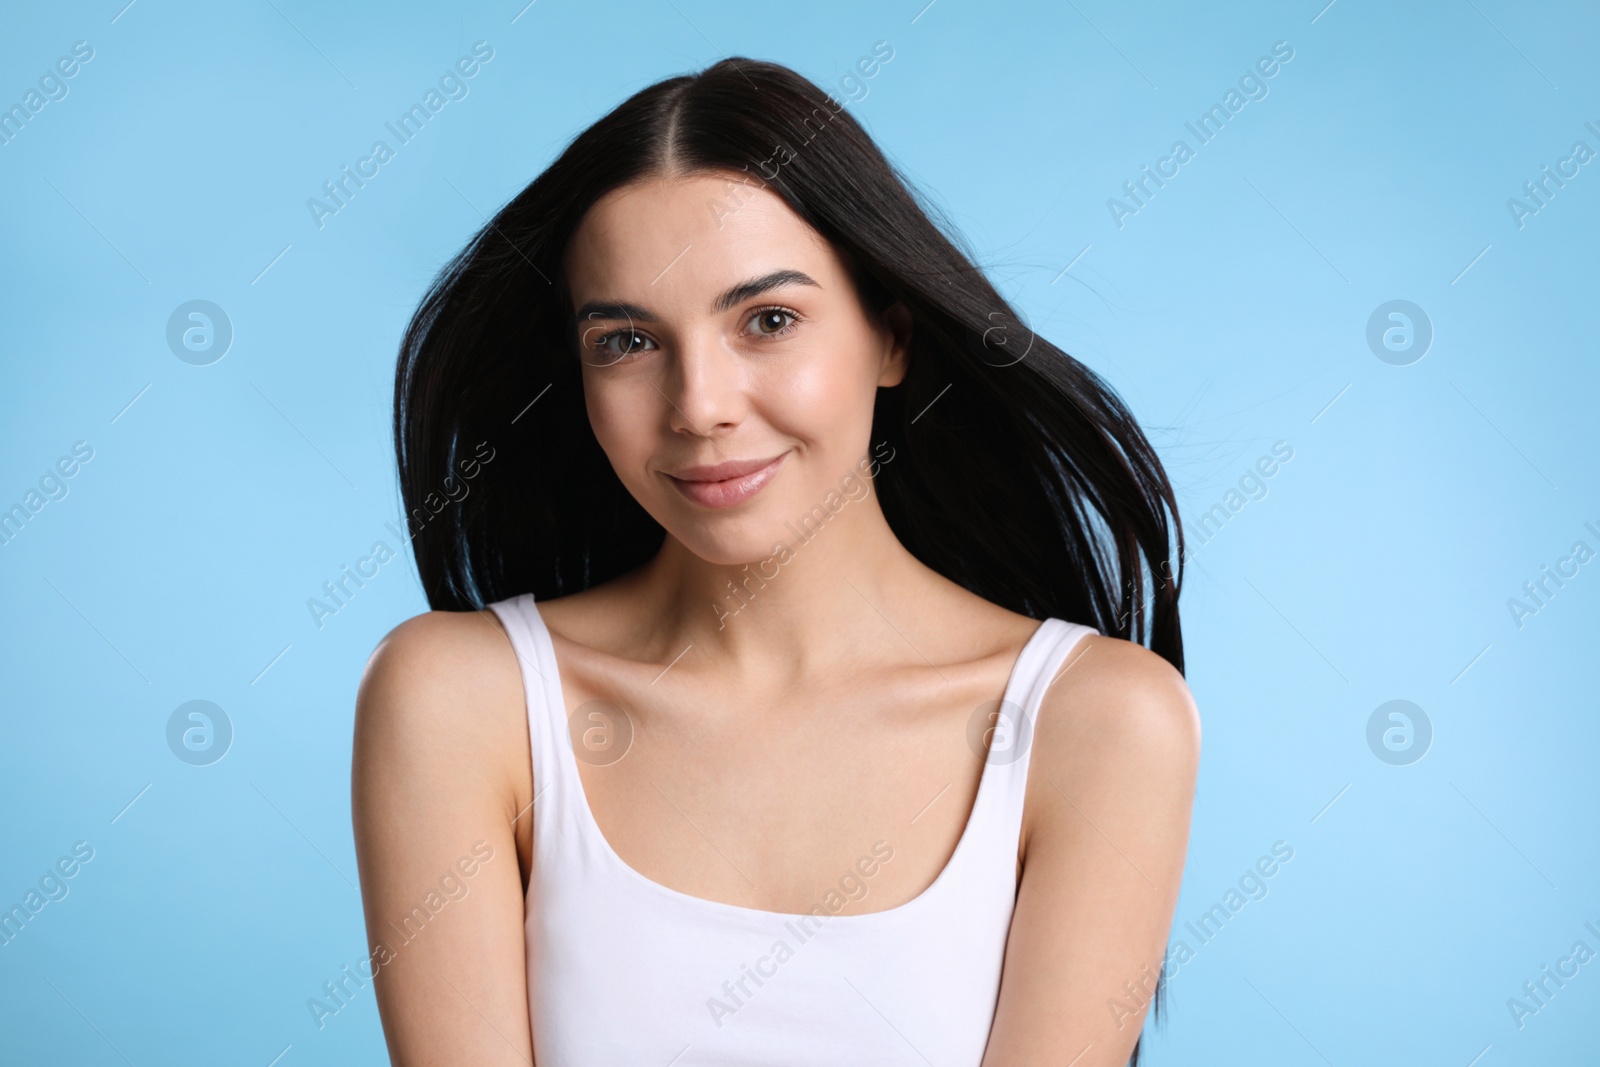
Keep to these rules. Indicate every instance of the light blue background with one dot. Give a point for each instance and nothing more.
(1230, 311)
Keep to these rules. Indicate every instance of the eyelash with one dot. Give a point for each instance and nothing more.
(605, 339)
(795, 315)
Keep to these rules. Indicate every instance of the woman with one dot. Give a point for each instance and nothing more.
(782, 702)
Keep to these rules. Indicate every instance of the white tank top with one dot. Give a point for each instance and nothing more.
(625, 971)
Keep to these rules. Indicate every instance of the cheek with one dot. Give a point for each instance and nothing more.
(832, 367)
(807, 390)
(622, 418)
(827, 390)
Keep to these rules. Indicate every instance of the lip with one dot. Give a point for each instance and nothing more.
(723, 485)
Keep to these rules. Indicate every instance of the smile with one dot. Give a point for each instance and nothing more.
(727, 492)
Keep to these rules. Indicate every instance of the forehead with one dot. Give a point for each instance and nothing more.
(666, 239)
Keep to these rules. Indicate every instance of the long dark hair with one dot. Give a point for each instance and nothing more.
(1018, 472)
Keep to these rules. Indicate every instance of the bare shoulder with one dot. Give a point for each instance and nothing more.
(439, 772)
(438, 642)
(1117, 725)
(455, 655)
(1110, 791)
(1108, 685)
(444, 687)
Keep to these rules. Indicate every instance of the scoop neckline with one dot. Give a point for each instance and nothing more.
(554, 691)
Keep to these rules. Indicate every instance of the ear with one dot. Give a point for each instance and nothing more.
(896, 321)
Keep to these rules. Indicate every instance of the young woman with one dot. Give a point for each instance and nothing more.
(787, 697)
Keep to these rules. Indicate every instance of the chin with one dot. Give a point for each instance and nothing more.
(732, 551)
(733, 541)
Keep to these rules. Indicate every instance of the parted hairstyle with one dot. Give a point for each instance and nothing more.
(1018, 473)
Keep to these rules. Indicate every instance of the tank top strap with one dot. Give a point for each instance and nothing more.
(554, 772)
(1011, 747)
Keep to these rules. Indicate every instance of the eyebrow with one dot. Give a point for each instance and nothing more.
(613, 309)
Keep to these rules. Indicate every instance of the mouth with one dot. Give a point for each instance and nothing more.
(726, 484)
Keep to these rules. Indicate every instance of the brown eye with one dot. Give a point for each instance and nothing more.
(773, 322)
(619, 344)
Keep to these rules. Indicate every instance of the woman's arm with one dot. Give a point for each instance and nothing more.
(440, 742)
(1116, 749)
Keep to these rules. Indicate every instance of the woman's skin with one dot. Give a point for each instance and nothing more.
(772, 747)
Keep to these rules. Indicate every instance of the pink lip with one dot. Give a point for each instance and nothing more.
(738, 481)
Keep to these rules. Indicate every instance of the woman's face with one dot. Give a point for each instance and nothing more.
(715, 327)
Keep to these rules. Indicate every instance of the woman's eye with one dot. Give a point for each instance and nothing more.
(622, 343)
(770, 322)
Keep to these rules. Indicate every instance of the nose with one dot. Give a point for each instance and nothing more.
(705, 386)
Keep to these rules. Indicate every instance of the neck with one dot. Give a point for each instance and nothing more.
(832, 583)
